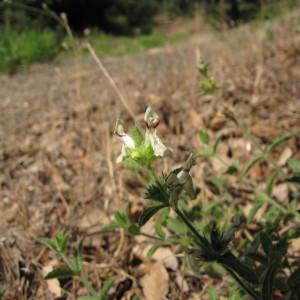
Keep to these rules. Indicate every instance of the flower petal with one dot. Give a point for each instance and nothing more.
(152, 139)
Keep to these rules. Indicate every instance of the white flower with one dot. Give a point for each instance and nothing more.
(128, 142)
(151, 119)
(152, 139)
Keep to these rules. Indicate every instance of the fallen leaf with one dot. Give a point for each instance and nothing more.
(155, 283)
(285, 155)
(53, 284)
(164, 256)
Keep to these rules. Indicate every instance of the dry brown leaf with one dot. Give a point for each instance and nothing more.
(156, 282)
(164, 256)
(295, 246)
(285, 155)
(182, 284)
(53, 284)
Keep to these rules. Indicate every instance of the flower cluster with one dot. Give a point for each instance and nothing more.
(142, 148)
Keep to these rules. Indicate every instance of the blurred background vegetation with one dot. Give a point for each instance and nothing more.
(30, 30)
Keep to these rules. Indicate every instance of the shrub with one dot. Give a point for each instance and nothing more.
(19, 49)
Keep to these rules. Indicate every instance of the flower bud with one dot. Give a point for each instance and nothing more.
(151, 118)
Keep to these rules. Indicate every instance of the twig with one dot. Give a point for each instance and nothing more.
(110, 79)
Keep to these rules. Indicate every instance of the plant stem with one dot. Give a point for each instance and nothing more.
(265, 154)
(189, 225)
(243, 285)
(152, 173)
(150, 236)
(88, 285)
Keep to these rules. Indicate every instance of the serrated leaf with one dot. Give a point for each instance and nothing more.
(204, 137)
(59, 273)
(106, 287)
(158, 191)
(152, 250)
(270, 182)
(294, 165)
(149, 212)
(250, 165)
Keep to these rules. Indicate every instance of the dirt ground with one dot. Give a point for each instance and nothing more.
(58, 151)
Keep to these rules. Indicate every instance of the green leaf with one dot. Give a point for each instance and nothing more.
(158, 228)
(149, 212)
(59, 273)
(121, 219)
(232, 169)
(212, 293)
(270, 182)
(267, 284)
(58, 243)
(77, 258)
(278, 141)
(134, 229)
(257, 257)
(2, 292)
(294, 279)
(158, 191)
(250, 165)
(111, 226)
(88, 298)
(152, 250)
(218, 184)
(294, 164)
(293, 179)
(254, 211)
(136, 134)
(176, 226)
(210, 150)
(106, 287)
(62, 239)
(229, 260)
(266, 243)
(132, 164)
(204, 137)
(49, 243)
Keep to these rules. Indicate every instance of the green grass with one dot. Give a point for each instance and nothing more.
(20, 49)
(108, 45)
